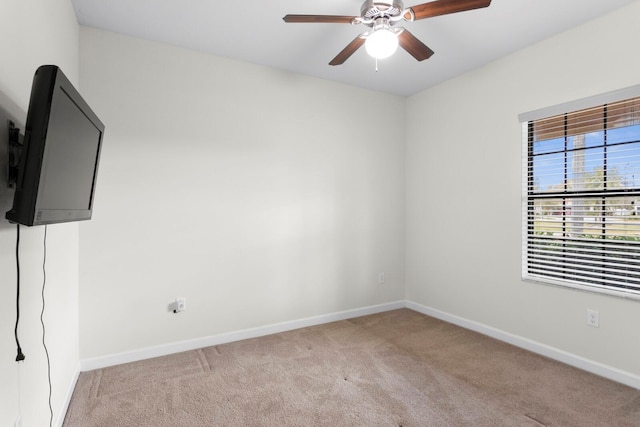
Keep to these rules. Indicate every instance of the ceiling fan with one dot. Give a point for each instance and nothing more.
(382, 16)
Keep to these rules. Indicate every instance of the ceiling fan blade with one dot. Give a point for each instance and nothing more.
(415, 47)
(347, 51)
(330, 19)
(445, 7)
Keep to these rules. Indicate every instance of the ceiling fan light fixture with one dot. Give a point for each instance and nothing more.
(382, 43)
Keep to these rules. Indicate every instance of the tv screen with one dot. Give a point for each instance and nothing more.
(59, 160)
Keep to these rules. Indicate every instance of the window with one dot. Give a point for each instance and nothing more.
(581, 197)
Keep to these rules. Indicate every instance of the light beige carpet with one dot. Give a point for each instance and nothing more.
(398, 368)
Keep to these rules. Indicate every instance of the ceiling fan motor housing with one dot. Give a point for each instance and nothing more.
(372, 9)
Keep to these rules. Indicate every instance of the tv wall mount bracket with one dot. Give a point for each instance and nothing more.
(14, 150)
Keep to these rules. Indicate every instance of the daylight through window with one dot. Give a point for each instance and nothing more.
(581, 198)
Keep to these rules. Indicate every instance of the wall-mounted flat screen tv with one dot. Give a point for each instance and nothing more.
(59, 160)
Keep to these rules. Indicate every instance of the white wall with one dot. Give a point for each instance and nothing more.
(33, 33)
(259, 195)
(463, 192)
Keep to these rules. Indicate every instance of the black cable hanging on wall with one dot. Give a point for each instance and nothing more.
(20, 356)
(44, 344)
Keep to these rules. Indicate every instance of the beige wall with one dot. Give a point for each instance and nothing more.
(33, 33)
(463, 192)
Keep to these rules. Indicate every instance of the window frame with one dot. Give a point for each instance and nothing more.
(529, 198)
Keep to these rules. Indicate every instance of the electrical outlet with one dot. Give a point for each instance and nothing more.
(380, 278)
(593, 318)
(180, 305)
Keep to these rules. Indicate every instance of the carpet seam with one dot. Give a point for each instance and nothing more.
(95, 391)
(535, 420)
(204, 363)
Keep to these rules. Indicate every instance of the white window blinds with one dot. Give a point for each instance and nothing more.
(581, 198)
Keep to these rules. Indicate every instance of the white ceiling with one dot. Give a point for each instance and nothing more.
(253, 31)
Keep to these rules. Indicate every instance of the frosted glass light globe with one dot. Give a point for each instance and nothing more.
(381, 44)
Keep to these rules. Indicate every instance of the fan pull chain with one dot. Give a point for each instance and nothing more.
(376, 65)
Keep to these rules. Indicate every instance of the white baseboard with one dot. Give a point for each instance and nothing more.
(597, 368)
(67, 398)
(180, 346)
(579, 362)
